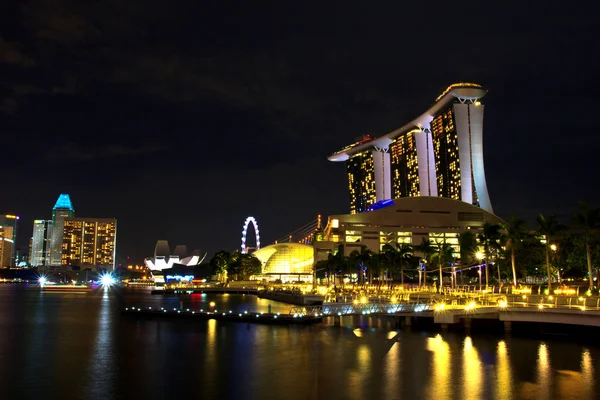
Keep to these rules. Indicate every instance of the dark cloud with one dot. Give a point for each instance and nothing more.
(11, 54)
(212, 112)
(71, 152)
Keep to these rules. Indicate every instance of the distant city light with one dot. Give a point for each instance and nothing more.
(107, 279)
(42, 280)
(180, 277)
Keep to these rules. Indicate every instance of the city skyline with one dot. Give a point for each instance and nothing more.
(129, 115)
(70, 241)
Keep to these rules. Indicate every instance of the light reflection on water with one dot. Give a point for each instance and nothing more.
(102, 370)
(441, 365)
(504, 381)
(472, 372)
(82, 347)
(543, 371)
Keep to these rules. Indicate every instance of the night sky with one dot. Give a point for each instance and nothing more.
(181, 121)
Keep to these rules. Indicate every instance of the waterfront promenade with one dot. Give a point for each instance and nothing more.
(450, 307)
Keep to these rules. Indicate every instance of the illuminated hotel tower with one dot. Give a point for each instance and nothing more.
(8, 239)
(440, 153)
(89, 242)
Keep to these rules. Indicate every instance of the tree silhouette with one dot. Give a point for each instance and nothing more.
(589, 219)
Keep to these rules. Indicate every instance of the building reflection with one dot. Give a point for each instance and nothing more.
(472, 372)
(440, 366)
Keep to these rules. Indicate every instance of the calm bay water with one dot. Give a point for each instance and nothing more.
(77, 346)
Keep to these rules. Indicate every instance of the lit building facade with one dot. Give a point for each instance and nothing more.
(67, 241)
(39, 254)
(440, 153)
(7, 246)
(406, 220)
(288, 262)
(89, 242)
(404, 166)
(361, 181)
(164, 258)
(61, 210)
(8, 237)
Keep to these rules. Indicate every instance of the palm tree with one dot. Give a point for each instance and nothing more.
(489, 239)
(334, 263)
(404, 251)
(589, 219)
(377, 261)
(398, 256)
(548, 226)
(442, 254)
(388, 257)
(468, 247)
(426, 249)
(361, 260)
(514, 233)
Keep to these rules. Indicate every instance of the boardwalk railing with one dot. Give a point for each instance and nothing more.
(439, 303)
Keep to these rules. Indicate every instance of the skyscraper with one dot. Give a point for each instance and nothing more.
(89, 242)
(62, 209)
(440, 153)
(66, 241)
(39, 255)
(8, 237)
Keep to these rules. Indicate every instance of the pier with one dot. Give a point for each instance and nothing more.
(568, 310)
(247, 317)
(441, 309)
(219, 290)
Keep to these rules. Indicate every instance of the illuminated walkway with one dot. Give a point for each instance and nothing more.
(571, 310)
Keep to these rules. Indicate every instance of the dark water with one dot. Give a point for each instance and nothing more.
(77, 346)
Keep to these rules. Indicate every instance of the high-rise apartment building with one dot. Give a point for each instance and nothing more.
(8, 239)
(39, 255)
(73, 242)
(7, 246)
(89, 242)
(440, 153)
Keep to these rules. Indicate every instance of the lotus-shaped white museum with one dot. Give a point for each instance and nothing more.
(165, 259)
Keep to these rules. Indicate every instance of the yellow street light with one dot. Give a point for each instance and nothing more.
(553, 247)
(479, 255)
